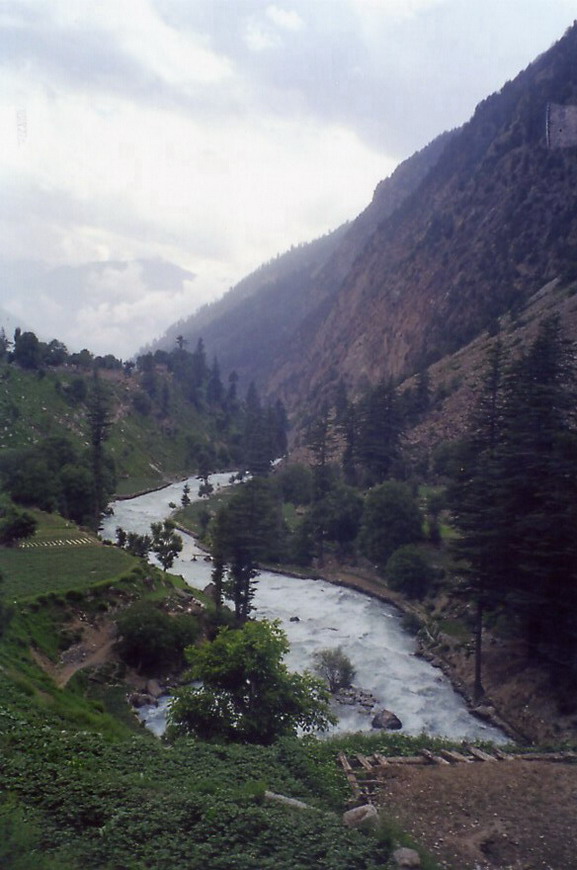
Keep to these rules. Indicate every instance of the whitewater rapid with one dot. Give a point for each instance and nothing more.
(316, 614)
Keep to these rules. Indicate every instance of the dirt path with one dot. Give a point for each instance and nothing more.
(510, 815)
(95, 648)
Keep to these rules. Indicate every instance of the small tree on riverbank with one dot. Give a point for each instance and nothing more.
(246, 531)
(334, 667)
(15, 525)
(166, 543)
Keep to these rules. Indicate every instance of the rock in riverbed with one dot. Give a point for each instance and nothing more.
(386, 720)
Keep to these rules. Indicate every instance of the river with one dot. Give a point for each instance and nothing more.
(317, 615)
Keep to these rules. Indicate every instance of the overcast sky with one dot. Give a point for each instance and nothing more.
(153, 152)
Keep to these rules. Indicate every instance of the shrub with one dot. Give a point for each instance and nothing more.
(409, 571)
(151, 640)
(391, 519)
(247, 694)
(334, 667)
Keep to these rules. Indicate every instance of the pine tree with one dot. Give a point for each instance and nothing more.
(539, 473)
(214, 387)
(257, 435)
(475, 497)
(99, 420)
(515, 498)
(379, 429)
(246, 531)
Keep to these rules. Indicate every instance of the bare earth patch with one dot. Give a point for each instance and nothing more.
(508, 815)
(95, 648)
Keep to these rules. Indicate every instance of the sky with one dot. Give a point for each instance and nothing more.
(154, 152)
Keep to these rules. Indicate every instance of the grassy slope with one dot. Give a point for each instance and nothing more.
(148, 450)
(48, 563)
(32, 408)
(78, 788)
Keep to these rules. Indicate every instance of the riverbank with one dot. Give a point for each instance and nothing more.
(159, 488)
(518, 698)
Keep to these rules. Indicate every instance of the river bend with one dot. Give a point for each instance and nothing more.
(315, 615)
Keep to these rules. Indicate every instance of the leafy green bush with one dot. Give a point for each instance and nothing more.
(296, 483)
(15, 525)
(151, 640)
(409, 571)
(391, 519)
(247, 693)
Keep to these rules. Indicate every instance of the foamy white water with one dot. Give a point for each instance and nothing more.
(369, 632)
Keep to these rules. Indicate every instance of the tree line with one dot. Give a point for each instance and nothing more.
(513, 497)
(59, 473)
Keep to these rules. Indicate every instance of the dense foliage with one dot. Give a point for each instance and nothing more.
(391, 519)
(151, 640)
(79, 427)
(247, 694)
(15, 525)
(514, 496)
(409, 571)
(165, 542)
(55, 475)
(248, 530)
(72, 799)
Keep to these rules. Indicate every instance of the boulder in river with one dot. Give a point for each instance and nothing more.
(484, 711)
(355, 697)
(154, 689)
(387, 720)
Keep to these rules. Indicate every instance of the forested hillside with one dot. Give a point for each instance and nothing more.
(461, 234)
(78, 428)
(489, 225)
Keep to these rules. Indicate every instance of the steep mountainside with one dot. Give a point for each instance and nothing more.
(491, 223)
(252, 328)
(245, 327)
(462, 233)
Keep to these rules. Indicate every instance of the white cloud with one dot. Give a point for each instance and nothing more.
(138, 28)
(259, 37)
(287, 19)
(215, 134)
(395, 9)
(263, 32)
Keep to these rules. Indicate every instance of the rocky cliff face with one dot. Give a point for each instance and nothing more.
(492, 221)
(463, 232)
(253, 328)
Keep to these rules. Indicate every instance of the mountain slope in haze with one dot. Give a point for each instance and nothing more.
(243, 327)
(251, 329)
(9, 322)
(463, 232)
(492, 222)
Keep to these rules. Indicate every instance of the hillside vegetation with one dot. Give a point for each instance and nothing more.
(82, 786)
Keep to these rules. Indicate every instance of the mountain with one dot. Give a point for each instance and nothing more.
(491, 223)
(462, 233)
(251, 329)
